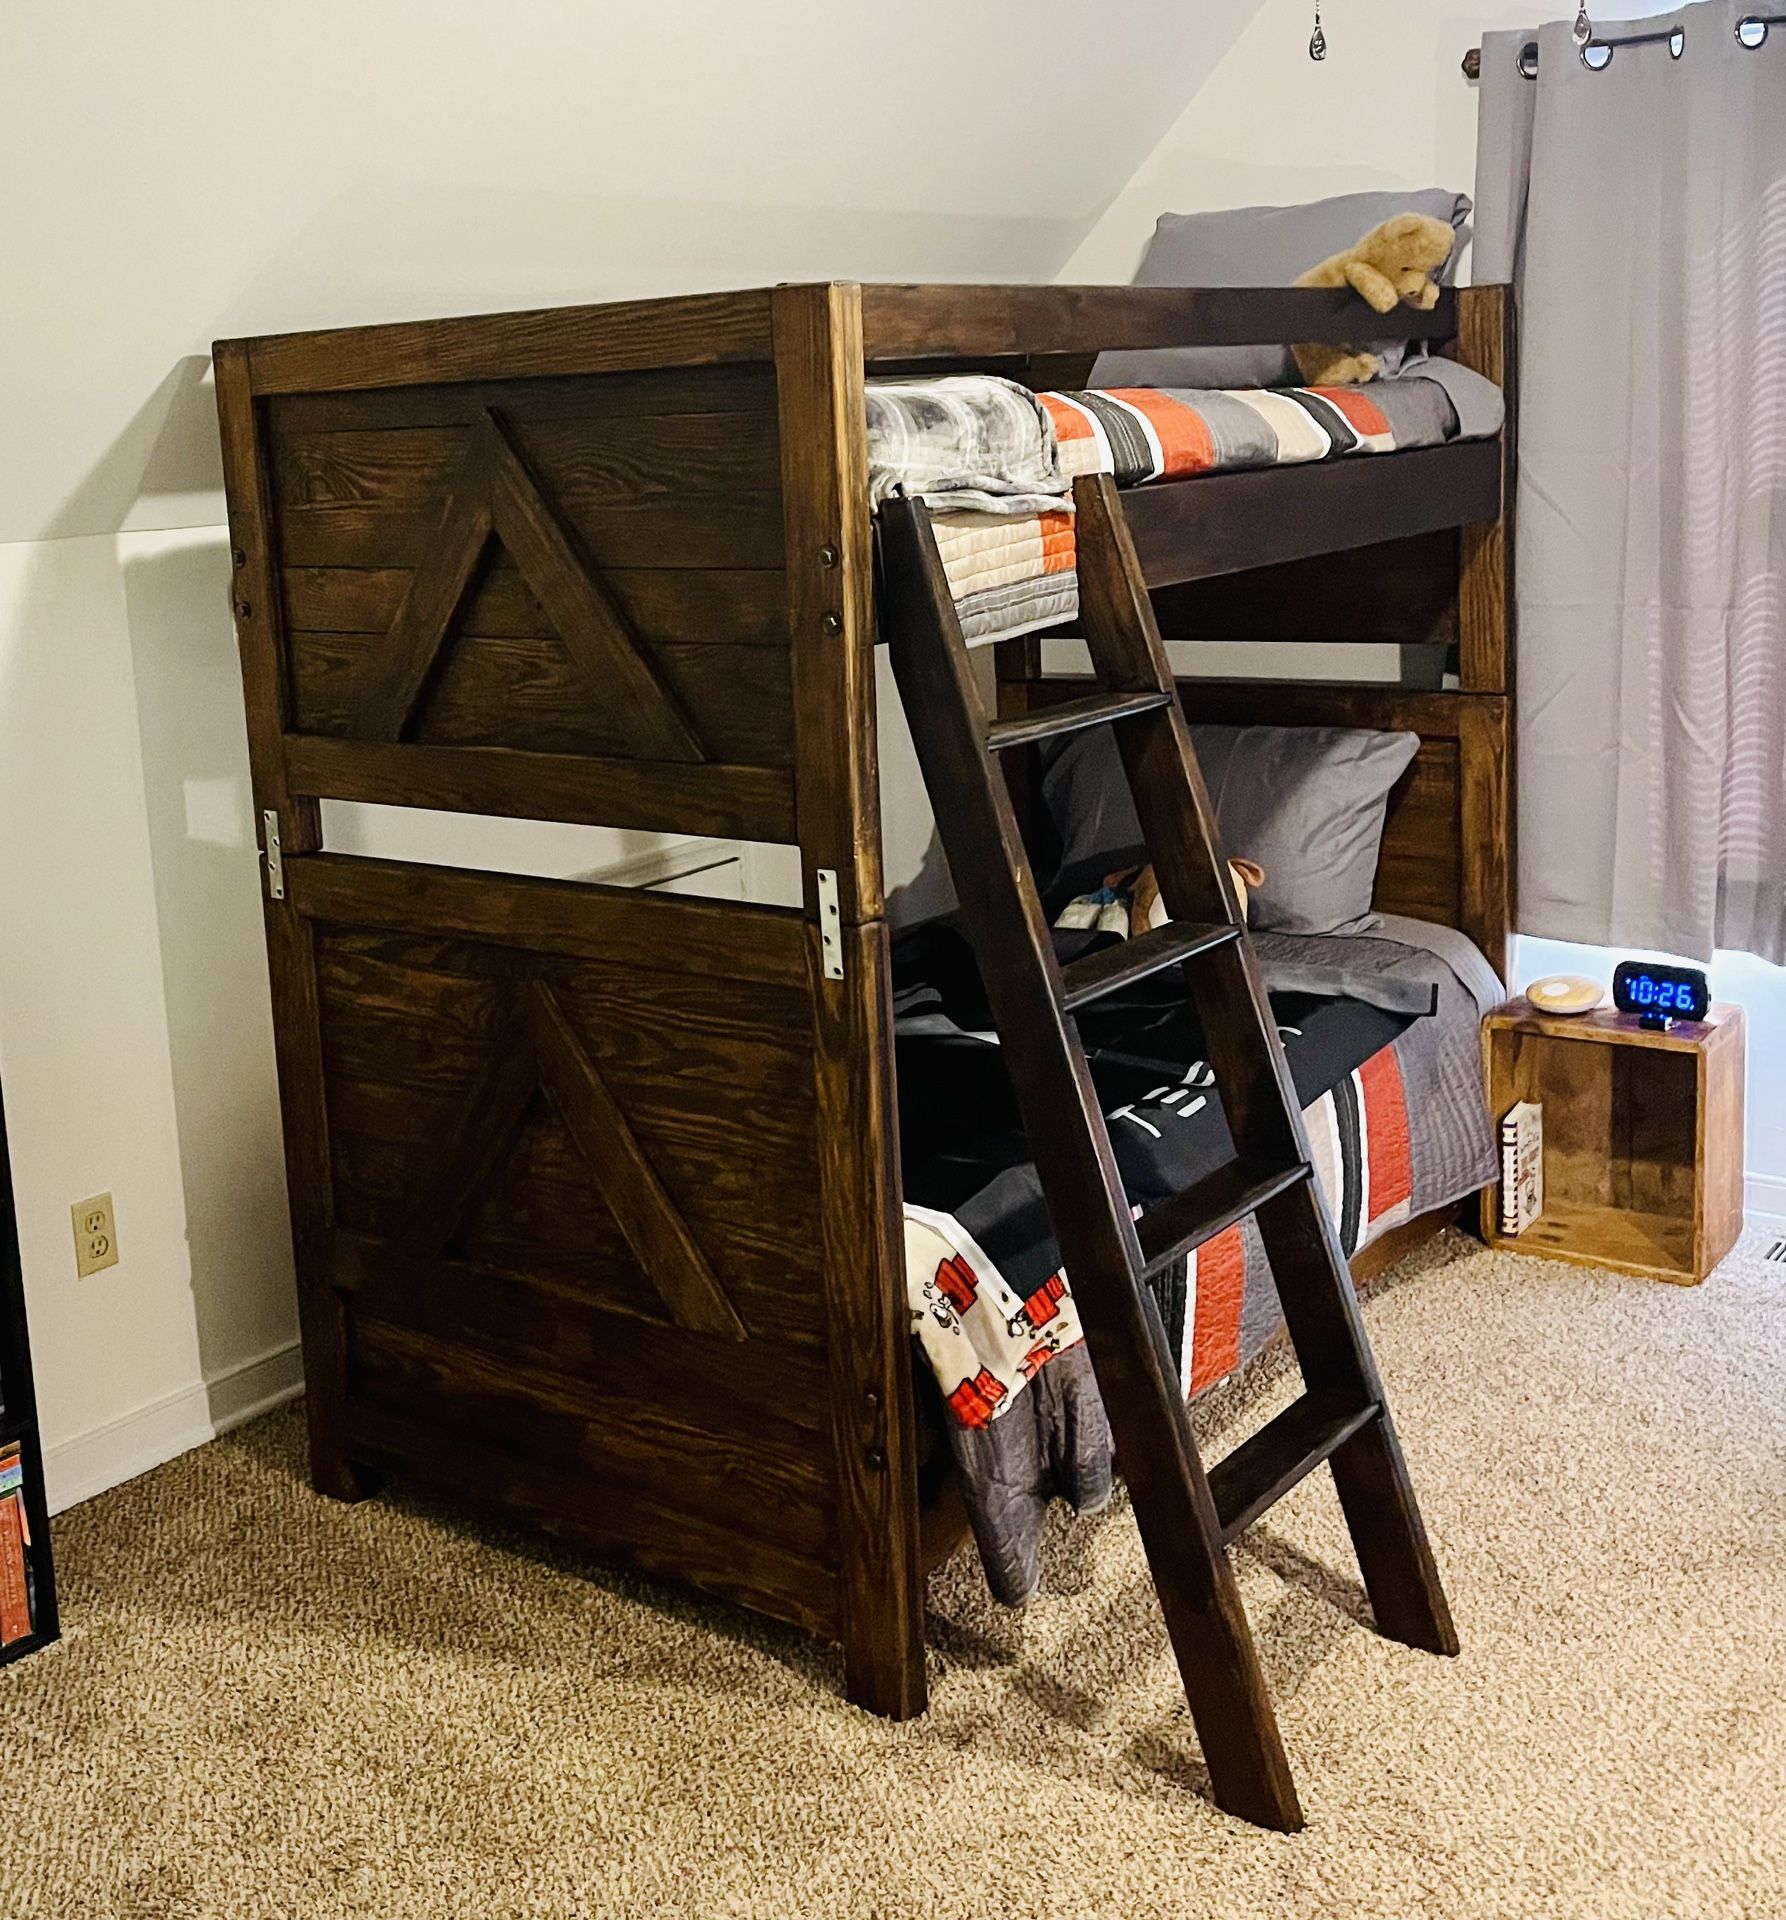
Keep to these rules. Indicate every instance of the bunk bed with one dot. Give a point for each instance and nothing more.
(596, 1194)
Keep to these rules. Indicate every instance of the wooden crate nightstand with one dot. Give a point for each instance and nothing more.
(1643, 1136)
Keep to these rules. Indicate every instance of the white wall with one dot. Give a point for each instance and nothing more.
(173, 175)
(1388, 107)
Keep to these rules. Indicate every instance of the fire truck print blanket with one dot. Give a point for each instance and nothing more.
(1393, 1104)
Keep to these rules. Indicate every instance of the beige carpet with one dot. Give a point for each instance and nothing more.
(269, 1705)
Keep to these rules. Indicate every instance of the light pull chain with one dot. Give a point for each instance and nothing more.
(1584, 27)
(1317, 41)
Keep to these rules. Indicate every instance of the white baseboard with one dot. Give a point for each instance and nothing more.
(91, 1463)
(1764, 1196)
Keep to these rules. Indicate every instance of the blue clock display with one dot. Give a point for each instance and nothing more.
(1660, 993)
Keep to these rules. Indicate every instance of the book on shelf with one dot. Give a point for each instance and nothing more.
(15, 1542)
(1522, 1166)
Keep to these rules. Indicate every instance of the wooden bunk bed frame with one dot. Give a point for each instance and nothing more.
(596, 1193)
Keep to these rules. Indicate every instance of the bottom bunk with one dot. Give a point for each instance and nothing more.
(1381, 1031)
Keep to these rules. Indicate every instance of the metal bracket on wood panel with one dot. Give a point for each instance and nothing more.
(275, 859)
(830, 924)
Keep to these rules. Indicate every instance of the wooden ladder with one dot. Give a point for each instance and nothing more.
(1187, 1516)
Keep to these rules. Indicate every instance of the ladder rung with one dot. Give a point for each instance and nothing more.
(1171, 1228)
(1131, 960)
(1262, 1469)
(1070, 716)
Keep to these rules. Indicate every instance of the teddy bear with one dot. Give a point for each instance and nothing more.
(1392, 263)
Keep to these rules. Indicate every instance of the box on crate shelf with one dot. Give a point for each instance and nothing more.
(1522, 1166)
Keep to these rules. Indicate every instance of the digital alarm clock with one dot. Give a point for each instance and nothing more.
(1658, 994)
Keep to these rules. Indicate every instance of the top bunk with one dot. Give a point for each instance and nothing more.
(613, 564)
(704, 349)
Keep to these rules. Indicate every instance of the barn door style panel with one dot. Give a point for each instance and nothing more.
(572, 1212)
(562, 597)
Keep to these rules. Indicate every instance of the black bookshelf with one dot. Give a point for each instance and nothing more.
(18, 1423)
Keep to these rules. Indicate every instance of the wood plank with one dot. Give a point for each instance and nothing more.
(491, 690)
(290, 959)
(542, 1218)
(1315, 703)
(650, 531)
(1227, 522)
(1720, 1112)
(695, 330)
(654, 392)
(741, 803)
(1399, 592)
(707, 455)
(830, 560)
(1281, 1454)
(654, 1229)
(1485, 603)
(918, 323)
(777, 1388)
(656, 932)
(684, 1030)
(1486, 826)
(723, 1114)
(869, 1331)
(482, 1136)
(546, 550)
(666, 1451)
(689, 607)
(733, 1562)
(386, 697)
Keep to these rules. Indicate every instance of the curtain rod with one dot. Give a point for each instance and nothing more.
(1596, 53)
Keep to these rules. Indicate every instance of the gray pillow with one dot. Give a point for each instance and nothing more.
(1307, 803)
(1264, 247)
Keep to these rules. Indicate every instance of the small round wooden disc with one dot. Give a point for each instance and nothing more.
(1565, 993)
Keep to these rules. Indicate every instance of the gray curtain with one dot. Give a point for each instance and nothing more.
(1641, 213)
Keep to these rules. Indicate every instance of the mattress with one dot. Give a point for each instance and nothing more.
(1393, 1104)
(996, 463)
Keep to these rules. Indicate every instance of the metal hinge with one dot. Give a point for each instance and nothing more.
(830, 924)
(275, 859)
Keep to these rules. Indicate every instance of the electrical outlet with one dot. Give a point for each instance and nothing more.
(95, 1235)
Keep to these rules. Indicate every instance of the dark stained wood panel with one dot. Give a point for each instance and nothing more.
(692, 607)
(681, 454)
(542, 1323)
(696, 330)
(654, 391)
(1486, 606)
(666, 1452)
(650, 531)
(746, 803)
(658, 1536)
(720, 1109)
(513, 691)
(1228, 522)
(649, 932)
(919, 323)
(1400, 591)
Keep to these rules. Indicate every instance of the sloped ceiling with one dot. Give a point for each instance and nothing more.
(173, 174)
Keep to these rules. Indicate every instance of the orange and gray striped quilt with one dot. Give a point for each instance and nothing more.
(996, 464)
(1396, 1125)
